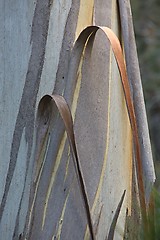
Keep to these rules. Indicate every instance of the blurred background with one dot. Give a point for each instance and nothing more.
(146, 18)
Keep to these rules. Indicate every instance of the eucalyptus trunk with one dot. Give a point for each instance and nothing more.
(39, 192)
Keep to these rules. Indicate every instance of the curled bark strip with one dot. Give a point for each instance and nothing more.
(65, 114)
(118, 53)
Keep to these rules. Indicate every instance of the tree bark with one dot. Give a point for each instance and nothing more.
(39, 193)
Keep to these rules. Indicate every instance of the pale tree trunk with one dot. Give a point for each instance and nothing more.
(39, 193)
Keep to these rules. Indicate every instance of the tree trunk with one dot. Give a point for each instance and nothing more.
(39, 192)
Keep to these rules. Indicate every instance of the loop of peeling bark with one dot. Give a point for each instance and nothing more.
(65, 114)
